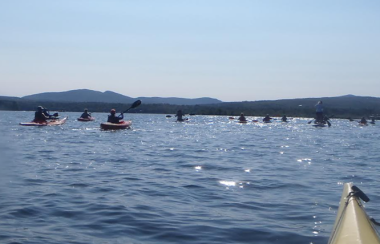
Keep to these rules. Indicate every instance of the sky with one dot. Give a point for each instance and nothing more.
(242, 50)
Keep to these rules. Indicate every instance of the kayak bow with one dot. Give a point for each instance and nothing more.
(116, 126)
(352, 224)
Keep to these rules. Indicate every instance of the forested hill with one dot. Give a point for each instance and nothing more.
(338, 107)
(85, 95)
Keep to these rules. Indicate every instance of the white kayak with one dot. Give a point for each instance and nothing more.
(352, 224)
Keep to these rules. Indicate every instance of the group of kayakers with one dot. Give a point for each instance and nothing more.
(320, 118)
(42, 115)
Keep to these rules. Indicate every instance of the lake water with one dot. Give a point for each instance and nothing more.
(208, 180)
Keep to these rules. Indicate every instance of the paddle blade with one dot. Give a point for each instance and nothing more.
(136, 104)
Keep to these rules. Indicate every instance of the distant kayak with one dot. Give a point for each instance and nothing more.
(182, 120)
(352, 224)
(319, 125)
(115, 126)
(86, 119)
(51, 122)
(243, 121)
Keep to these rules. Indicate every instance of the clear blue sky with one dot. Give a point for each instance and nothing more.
(230, 50)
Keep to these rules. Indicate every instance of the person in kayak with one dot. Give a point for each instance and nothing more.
(39, 115)
(267, 119)
(112, 118)
(86, 114)
(179, 115)
(319, 112)
(363, 121)
(242, 118)
(284, 119)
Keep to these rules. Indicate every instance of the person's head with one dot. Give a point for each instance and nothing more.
(319, 102)
(267, 115)
(85, 110)
(40, 108)
(241, 114)
(113, 111)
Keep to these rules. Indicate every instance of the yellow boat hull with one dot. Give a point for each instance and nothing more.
(352, 224)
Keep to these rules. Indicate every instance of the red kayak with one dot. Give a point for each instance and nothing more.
(45, 123)
(115, 126)
(86, 119)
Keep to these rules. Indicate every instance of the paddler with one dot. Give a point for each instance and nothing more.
(112, 118)
(242, 118)
(179, 115)
(267, 119)
(284, 119)
(39, 115)
(86, 114)
(363, 121)
(319, 112)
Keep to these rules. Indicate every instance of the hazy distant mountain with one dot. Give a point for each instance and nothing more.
(82, 95)
(179, 101)
(85, 95)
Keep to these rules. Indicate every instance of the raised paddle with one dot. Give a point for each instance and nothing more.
(134, 105)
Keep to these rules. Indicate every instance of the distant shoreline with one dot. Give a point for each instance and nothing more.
(337, 107)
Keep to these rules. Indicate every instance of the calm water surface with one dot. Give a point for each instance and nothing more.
(209, 180)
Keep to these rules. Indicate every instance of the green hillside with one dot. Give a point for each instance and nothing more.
(339, 107)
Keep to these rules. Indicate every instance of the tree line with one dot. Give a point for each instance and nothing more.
(338, 108)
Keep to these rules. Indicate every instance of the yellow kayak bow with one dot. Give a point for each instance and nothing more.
(352, 224)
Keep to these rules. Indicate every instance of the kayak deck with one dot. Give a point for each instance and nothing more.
(352, 224)
(47, 123)
(86, 119)
(116, 126)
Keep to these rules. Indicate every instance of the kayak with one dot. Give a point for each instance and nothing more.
(182, 120)
(115, 126)
(319, 125)
(86, 119)
(243, 121)
(352, 224)
(51, 122)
